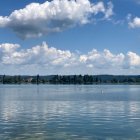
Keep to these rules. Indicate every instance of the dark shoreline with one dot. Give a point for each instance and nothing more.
(71, 79)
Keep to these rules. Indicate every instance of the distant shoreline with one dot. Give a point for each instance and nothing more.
(72, 79)
(72, 84)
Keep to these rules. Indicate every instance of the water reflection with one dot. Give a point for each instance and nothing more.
(69, 112)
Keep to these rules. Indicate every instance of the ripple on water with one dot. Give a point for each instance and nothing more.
(69, 113)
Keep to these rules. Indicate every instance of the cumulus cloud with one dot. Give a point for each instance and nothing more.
(38, 19)
(133, 59)
(134, 23)
(50, 59)
(103, 59)
(41, 55)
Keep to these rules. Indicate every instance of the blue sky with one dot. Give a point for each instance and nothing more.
(112, 28)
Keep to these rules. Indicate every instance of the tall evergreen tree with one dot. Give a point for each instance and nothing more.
(37, 79)
(3, 79)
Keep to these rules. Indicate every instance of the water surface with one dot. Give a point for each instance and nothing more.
(69, 112)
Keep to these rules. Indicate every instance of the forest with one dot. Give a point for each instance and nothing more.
(70, 79)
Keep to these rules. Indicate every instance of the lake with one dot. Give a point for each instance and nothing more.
(70, 112)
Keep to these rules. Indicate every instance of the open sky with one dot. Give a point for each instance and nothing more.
(70, 37)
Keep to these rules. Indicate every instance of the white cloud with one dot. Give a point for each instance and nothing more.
(46, 60)
(38, 19)
(103, 59)
(133, 59)
(134, 23)
(109, 11)
(41, 55)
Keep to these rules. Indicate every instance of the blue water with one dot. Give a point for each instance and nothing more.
(69, 112)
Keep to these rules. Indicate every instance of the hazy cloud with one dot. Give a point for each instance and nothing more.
(137, 1)
(38, 19)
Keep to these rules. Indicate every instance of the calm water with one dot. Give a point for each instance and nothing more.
(57, 112)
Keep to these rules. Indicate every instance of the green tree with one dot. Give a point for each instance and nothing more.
(37, 79)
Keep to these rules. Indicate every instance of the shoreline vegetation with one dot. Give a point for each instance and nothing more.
(71, 79)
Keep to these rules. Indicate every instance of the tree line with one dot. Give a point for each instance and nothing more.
(69, 79)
